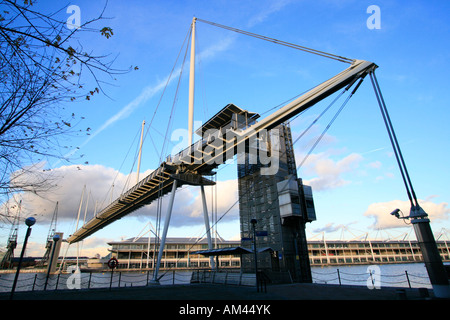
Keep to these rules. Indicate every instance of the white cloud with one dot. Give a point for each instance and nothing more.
(98, 181)
(69, 183)
(89, 247)
(375, 165)
(188, 206)
(322, 170)
(272, 7)
(329, 172)
(383, 220)
(329, 227)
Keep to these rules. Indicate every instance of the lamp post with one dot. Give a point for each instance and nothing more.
(56, 238)
(29, 222)
(253, 222)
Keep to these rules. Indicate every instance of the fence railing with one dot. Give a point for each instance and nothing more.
(405, 279)
(119, 279)
(89, 280)
(224, 277)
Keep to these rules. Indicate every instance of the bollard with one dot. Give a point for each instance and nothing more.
(89, 282)
(339, 277)
(57, 281)
(34, 282)
(401, 294)
(110, 282)
(423, 292)
(407, 278)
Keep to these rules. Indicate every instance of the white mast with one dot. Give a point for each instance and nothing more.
(190, 129)
(206, 218)
(191, 84)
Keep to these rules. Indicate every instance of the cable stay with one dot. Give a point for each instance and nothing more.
(393, 138)
(331, 121)
(281, 42)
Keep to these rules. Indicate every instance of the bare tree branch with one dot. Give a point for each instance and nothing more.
(43, 67)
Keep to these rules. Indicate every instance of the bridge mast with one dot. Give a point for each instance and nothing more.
(191, 83)
(175, 182)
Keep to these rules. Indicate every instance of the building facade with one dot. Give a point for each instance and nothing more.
(178, 254)
(370, 252)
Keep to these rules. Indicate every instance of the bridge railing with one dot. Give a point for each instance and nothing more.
(406, 279)
(89, 280)
(224, 277)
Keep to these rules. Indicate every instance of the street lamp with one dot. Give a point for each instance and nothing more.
(29, 222)
(56, 238)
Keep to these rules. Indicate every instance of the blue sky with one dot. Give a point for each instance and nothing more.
(355, 180)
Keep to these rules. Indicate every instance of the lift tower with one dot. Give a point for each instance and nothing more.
(281, 206)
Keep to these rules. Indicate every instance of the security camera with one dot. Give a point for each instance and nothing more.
(396, 213)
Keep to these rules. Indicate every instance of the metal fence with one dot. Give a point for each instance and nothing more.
(224, 277)
(406, 279)
(88, 280)
(119, 279)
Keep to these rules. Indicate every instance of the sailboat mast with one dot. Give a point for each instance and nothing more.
(191, 84)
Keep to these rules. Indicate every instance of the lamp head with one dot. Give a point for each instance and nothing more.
(395, 213)
(30, 221)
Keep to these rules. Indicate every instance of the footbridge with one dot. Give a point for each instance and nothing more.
(226, 133)
(230, 132)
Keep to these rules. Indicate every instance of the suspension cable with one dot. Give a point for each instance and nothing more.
(331, 121)
(394, 141)
(170, 122)
(284, 43)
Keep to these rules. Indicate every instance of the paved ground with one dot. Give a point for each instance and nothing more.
(227, 292)
(217, 301)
